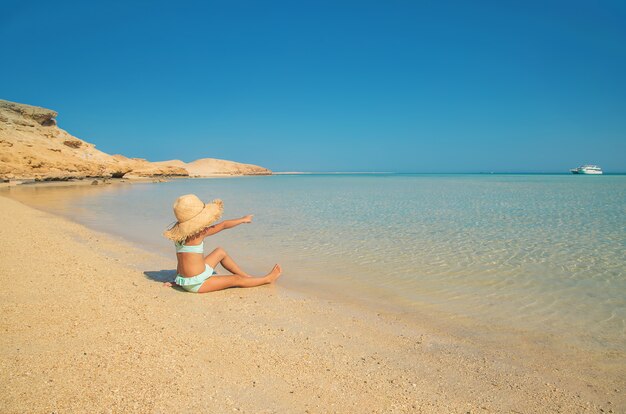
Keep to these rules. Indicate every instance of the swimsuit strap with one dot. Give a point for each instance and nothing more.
(182, 248)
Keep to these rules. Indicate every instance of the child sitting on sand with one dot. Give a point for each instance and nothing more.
(195, 271)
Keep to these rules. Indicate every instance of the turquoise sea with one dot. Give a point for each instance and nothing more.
(537, 253)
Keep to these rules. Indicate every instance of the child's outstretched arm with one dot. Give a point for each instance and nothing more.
(226, 224)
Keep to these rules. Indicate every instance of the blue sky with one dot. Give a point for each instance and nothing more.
(407, 86)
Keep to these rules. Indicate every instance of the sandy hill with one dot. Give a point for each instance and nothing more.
(214, 166)
(210, 167)
(32, 146)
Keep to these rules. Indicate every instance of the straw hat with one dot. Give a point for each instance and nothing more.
(193, 216)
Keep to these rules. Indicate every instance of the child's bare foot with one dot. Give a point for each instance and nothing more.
(168, 284)
(275, 273)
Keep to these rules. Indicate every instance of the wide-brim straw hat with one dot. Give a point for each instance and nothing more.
(193, 216)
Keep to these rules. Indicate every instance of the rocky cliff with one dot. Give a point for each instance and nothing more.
(32, 146)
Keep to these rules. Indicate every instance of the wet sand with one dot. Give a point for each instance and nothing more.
(88, 327)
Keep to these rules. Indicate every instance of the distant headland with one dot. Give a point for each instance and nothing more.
(33, 147)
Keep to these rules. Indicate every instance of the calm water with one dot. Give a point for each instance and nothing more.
(540, 253)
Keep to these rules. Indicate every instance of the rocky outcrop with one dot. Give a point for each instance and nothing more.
(32, 146)
(212, 167)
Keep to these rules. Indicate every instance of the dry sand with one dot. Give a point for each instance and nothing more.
(85, 330)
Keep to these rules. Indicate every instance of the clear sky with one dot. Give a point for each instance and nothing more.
(406, 86)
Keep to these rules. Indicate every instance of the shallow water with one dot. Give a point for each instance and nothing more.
(543, 253)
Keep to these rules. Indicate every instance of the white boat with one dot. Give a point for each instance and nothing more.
(587, 169)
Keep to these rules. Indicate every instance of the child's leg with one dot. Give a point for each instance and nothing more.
(223, 282)
(219, 255)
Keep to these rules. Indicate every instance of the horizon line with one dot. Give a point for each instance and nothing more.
(465, 172)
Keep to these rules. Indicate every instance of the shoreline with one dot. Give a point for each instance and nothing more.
(159, 179)
(376, 296)
(101, 319)
(108, 181)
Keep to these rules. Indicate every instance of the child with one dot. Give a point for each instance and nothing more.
(195, 271)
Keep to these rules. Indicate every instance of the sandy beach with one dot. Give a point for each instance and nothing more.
(88, 327)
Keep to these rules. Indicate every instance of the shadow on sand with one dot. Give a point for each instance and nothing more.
(163, 276)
